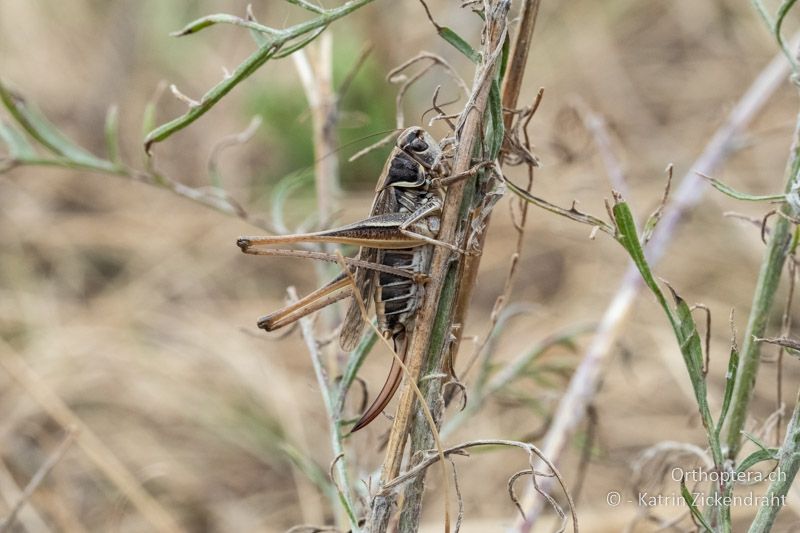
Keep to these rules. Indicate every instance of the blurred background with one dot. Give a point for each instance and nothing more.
(134, 307)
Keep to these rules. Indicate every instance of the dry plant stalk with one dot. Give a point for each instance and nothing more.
(512, 86)
(443, 265)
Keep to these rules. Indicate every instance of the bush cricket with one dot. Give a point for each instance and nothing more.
(395, 251)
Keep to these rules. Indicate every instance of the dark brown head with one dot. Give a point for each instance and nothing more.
(421, 147)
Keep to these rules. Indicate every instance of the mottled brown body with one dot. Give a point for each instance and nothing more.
(397, 237)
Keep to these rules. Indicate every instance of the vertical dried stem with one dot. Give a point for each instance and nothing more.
(421, 437)
(329, 399)
(316, 76)
(436, 309)
(317, 80)
(37, 480)
(512, 86)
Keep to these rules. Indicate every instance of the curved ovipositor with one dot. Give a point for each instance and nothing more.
(389, 387)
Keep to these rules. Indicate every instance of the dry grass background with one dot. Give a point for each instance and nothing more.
(138, 310)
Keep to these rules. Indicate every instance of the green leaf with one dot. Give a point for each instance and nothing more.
(629, 239)
(733, 193)
(246, 68)
(504, 58)
(18, 146)
(459, 43)
(783, 10)
(300, 43)
(755, 440)
(696, 514)
(758, 456)
(730, 382)
(691, 345)
(496, 128)
(38, 127)
(222, 18)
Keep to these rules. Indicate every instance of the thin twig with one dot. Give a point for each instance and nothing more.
(325, 387)
(512, 86)
(227, 142)
(65, 154)
(786, 331)
(276, 43)
(317, 82)
(37, 479)
(397, 76)
(94, 448)
(432, 457)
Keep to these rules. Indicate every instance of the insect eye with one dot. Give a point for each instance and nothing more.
(418, 145)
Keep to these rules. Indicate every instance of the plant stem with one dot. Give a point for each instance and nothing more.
(421, 436)
(437, 303)
(788, 466)
(330, 401)
(266, 52)
(585, 381)
(763, 299)
(512, 86)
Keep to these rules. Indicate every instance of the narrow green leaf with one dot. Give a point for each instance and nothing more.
(783, 10)
(459, 43)
(733, 193)
(18, 146)
(692, 346)
(496, 127)
(112, 135)
(504, 58)
(696, 514)
(758, 456)
(38, 127)
(222, 18)
(629, 239)
(755, 440)
(730, 382)
(252, 63)
(300, 43)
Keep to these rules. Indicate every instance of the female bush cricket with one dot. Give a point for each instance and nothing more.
(394, 256)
